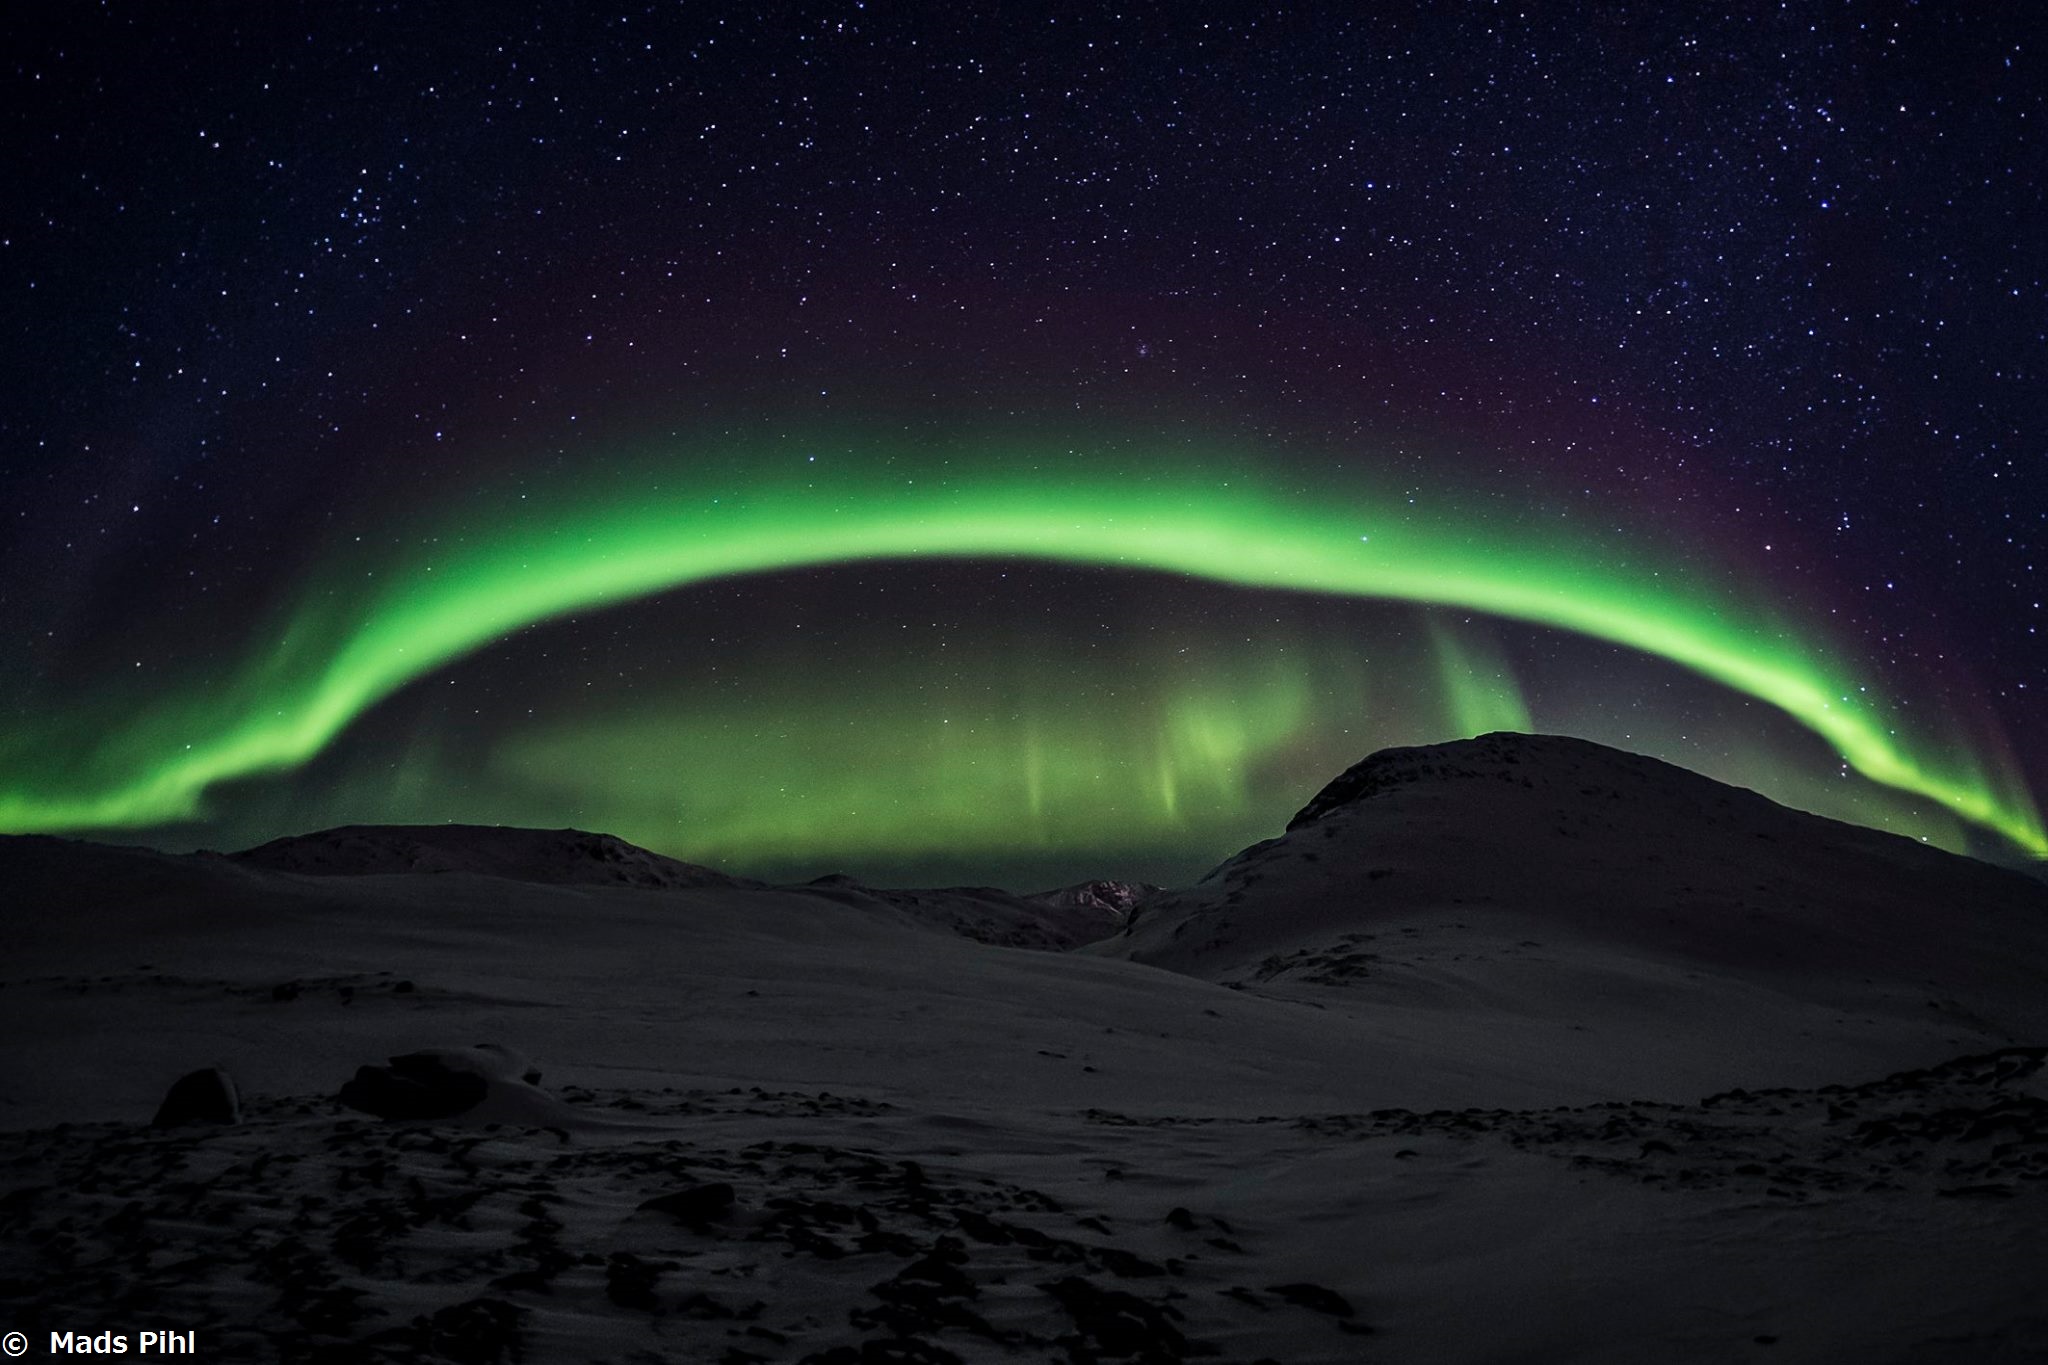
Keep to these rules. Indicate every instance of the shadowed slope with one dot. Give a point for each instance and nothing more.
(555, 857)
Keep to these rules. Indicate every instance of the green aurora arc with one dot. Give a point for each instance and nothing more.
(345, 647)
(976, 769)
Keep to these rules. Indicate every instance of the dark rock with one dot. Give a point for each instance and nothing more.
(1113, 1323)
(206, 1096)
(1129, 1265)
(476, 1332)
(629, 1282)
(885, 1351)
(419, 1086)
(1315, 1296)
(936, 1274)
(697, 1204)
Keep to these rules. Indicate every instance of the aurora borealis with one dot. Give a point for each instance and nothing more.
(510, 390)
(284, 708)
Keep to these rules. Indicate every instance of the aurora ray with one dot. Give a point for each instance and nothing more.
(342, 650)
(1478, 683)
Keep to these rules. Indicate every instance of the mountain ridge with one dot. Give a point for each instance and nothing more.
(556, 856)
(1550, 840)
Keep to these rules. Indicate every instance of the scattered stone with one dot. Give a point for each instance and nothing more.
(1119, 1325)
(697, 1204)
(1314, 1296)
(475, 1332)
(629, 1282)
(414, 1087)
(884, 1351)
(204, 1096)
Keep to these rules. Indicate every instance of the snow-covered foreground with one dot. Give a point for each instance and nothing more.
(1426, 1080)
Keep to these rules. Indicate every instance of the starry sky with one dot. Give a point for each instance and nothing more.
(1010, 446)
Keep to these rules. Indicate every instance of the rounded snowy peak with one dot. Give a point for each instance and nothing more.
(1538, 762)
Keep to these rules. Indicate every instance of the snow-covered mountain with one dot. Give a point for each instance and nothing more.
(1516, 1048)
(560, 857)
(1580, 838)
(1539, 887)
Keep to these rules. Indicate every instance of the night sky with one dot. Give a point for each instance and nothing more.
(901, 440)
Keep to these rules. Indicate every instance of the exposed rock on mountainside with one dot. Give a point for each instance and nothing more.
(1113, 898)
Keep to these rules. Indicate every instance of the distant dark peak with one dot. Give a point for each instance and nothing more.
(1529, 760)
(1109, 897)
(555, 856)
(834, 879)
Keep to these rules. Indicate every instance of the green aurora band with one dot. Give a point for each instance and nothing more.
(363, 631)
(978, 773)
(1478, 682)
